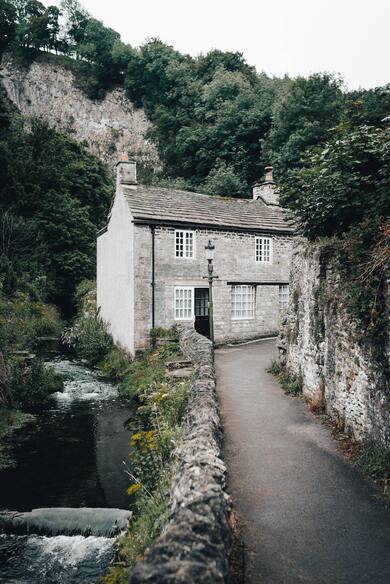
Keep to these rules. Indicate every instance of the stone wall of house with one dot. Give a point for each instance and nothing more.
(234, 262)
(47, 90)
(195, 544)
(320, 342)
(114, 274)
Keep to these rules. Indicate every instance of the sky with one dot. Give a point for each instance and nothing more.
(297, 37)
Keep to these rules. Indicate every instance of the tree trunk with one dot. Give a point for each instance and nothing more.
(5, 386)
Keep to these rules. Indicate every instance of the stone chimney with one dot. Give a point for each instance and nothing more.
(266, 191)
(126, 171)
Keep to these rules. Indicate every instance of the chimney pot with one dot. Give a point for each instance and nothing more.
(269, 174)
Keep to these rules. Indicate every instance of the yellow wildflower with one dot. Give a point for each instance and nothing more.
(134, 488)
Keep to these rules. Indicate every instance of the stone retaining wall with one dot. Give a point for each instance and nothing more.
(195, 544)
(320, 342)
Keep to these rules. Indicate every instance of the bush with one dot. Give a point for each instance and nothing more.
(94, 342)
(22, 321)
(32, 383)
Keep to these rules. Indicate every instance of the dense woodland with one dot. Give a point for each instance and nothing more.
(216, 122)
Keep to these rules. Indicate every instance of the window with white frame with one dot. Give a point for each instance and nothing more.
(243, 301)
(184, 244)
(284, 294)
(184, 303)
(264, 249)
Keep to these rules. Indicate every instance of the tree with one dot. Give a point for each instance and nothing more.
(7, 24)
(222, 180)
(58, 196)
(302, 117)
(343, 184)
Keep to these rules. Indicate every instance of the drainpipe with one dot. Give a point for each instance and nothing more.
(152, 229)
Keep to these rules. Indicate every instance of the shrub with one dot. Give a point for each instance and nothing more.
(32, 383)
(94, 342)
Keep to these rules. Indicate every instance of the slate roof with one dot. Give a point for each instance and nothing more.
(172, 207)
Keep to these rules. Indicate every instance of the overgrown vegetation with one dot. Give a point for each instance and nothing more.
(340, 198)
(292, 384)
(161, 402)
(32, 382)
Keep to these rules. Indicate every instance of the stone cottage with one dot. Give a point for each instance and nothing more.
(152, 267)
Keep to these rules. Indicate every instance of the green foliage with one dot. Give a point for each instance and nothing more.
(32, 383)
(302, 116)
(22, 321)
(94, 342)
(7, 24)
(374, 461)
(346, 182)
(54, 197)
(88, 334)
(292, 384)
(362, 261)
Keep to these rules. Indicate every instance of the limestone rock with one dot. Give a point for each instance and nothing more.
(47, 90)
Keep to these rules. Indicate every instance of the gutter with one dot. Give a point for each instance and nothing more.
(189, 225)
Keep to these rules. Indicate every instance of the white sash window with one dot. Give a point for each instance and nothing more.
(184, 244)
(264, 250)
(184, 303)
(243, 301)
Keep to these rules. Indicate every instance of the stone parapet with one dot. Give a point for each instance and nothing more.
(195, 544)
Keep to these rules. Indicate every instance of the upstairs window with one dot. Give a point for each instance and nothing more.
(243, 301)
(264, 250)
(284, 294)
(184, 303)
(184, 244)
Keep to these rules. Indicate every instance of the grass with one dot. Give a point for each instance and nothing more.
(151, 513)
(291, 384)
(162, 404)
(374, 462)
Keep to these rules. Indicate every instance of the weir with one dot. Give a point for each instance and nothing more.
(55, 521)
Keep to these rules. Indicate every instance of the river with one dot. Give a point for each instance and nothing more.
(68, 484)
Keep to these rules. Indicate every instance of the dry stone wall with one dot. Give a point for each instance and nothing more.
(195, 544)
(47, 90)
(319, 341)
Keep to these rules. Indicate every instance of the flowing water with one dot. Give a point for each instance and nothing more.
(68, 485)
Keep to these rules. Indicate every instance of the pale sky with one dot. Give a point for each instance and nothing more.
(349, 37)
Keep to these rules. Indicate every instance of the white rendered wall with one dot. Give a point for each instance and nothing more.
(115, 296)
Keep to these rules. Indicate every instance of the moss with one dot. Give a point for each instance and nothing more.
(317, 315)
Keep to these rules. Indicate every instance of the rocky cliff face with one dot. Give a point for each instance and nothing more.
(320, 342)
(110, 127)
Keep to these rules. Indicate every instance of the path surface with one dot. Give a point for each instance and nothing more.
(308, 516)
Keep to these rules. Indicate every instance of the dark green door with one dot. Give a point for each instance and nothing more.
(202, 324)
